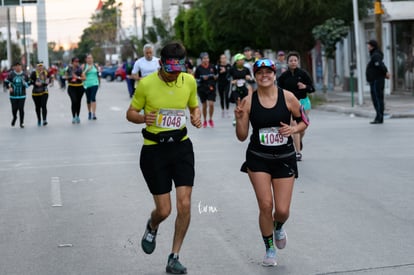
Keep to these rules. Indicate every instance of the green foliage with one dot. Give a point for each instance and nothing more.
(191, 27)
(16, 52)
(101, 34)
(55, 54)
(264, 24)
(329, 33)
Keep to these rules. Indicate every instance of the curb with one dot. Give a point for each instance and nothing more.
(361, 112)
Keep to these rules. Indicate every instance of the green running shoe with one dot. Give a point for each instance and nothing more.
(174, 266)
(148, 240)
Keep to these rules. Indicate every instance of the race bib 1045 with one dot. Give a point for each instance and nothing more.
(171, 119)
(271, 137)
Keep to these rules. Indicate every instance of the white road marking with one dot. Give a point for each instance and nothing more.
(55, 192)
(115, 108)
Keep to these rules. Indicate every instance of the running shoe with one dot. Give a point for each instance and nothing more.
(148, 240)
(13, 121)
(74, 120)
(270, 257)
(22, 125)
(205, 124)
(94, 117)
(44, 122)
(89, 115)
(39, 123)
(298, 157)
(174, 266)
(280, 238)
(211, 123)
(77, 120)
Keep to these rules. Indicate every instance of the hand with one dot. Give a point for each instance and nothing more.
(150, 118)
(301, 86)
(239, 110)
(10, 90)
(387, 75)
(196, 118)
(286, 130)
(205, 77)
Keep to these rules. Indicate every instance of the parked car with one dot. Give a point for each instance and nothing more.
(108, 73)
(120, 74)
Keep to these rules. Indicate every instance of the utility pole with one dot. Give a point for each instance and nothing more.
(9, 48)
(118, 35)
(359, 65)
(42, 48)
(135, 18)
(378, 11)
(26, 64)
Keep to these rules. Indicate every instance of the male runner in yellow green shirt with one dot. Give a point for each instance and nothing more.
(167, 154)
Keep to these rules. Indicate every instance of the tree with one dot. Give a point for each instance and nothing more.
(263, 24)
(329, 34)
(100, 37)
(55, 54)
(191, 27)
(15, 49)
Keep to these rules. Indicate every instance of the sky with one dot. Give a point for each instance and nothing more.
(66, 19)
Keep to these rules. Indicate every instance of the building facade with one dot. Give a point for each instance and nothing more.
(397, 45)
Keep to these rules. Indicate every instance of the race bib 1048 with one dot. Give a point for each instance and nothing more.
(171, 119)
(271, 137)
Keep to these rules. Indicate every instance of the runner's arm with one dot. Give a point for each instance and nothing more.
(195, 116)
(293, 105)
(135, 116)
(241, 113)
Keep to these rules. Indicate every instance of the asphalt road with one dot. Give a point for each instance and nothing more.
(73, 200)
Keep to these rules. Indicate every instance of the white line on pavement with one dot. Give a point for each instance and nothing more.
(55, 192)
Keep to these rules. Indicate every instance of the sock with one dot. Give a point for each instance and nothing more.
(278, 225)
(174, 256)
(268, 241)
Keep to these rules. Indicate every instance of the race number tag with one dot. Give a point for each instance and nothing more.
(271, 137)
(171, 119)
(240, 82)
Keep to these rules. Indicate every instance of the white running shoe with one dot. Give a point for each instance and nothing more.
(280, 238)
(270, 257)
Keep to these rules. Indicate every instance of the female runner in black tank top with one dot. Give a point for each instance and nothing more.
(270, 156)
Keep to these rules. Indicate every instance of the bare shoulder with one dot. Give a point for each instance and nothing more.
(289, 96)
(291, 101)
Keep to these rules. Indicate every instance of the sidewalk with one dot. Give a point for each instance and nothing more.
(396, 105)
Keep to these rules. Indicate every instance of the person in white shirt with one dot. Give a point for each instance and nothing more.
(146, 64)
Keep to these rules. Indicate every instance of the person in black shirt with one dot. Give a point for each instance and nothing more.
(39, 78)
(17, 83)
(240, 75)
(130, 81)
(270, 156)
(206, 76)
(297, 81)
(223, 84)
(376, 73)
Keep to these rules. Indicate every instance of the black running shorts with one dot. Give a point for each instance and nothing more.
(277, 168)
(161, 164)
(206, 94)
